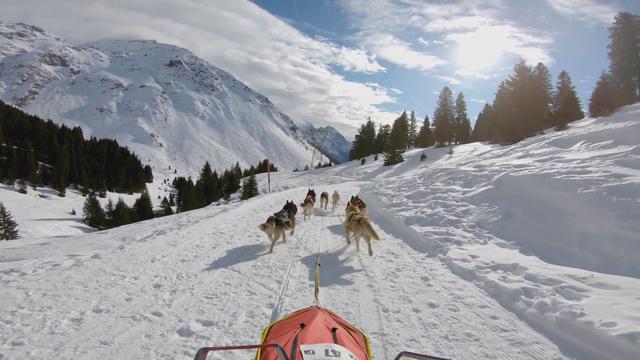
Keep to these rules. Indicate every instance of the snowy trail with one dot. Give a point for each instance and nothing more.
(406, 300)
(168, 286)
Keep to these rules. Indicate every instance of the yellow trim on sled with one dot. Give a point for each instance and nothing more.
(263, 337)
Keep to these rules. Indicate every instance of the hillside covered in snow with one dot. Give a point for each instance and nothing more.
(170, 107)
(527, 251)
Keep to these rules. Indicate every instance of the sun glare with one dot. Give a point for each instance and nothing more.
(480, 50)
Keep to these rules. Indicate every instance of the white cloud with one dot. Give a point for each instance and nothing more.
(423, 41)
(477, 31)
(585, 10)
(479, 101)
(267, 53)
(459, 23)
(451, 80)
(394, 50)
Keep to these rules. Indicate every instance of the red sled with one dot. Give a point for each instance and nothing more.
(313, 333)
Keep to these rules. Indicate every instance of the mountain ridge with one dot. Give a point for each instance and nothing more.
(174, 109)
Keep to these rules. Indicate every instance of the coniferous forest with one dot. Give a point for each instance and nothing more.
(212, 186)
(44, 153)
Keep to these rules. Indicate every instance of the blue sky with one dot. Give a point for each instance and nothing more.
(567, 35)
(338, 62)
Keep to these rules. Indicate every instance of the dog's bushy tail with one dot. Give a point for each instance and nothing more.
(263, 227)
(366, 223)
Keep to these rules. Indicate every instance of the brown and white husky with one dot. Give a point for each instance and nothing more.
(324, 200)
(307, 208)
(277, 224)
(307, 204)
(359, 225)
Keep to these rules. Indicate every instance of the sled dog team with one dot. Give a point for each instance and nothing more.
(356, 224)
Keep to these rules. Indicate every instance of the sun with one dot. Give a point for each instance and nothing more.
(479, 50)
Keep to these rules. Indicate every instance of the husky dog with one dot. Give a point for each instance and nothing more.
(335, 199)
(355, 200)
(288, 212)
(307, 207)
(275, 229)
(359, 225)
(277, 224)
(307, 204)
(324, 200)
(311, 194)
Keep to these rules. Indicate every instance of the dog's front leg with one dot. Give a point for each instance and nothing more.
(369, 243)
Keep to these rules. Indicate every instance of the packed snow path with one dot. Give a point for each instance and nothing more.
(163, 288)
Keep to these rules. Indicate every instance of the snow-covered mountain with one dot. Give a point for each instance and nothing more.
(330, 140)
(169, 106)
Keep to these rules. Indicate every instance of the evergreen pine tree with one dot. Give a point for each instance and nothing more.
(397, 142)
(624, 54)
(443, 118)
(34, 177)
(165, 207)
(413, 131)
(8, 227)
(381, 138)
(121, 213)
(11, 170)
(187, 198)
(602, 102)
(30, 163)
(364, 141)
(425, 137)
(109, 214)
(148, 174)
(62, 170)
(483, 129)
(83, 180)
(207, 185)
(143, 207)
(566, 105)
(541, 97)
(249, 187)
(521, 105)
(92, 212)
(462, 123)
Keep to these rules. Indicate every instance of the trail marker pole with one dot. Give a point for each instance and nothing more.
(268, 175)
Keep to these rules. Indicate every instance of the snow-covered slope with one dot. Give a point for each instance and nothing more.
(471, 265)
(169, 106)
